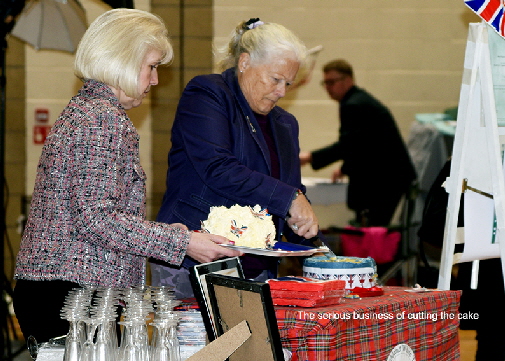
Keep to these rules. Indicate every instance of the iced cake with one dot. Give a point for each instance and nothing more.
(246, 226)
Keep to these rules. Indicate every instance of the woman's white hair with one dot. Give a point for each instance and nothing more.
(262, 41)
(115, 45)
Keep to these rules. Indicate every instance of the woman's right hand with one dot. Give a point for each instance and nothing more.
(302, 219)
(203, 247)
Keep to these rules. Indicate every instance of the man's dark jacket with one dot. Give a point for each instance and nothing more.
(374, 155)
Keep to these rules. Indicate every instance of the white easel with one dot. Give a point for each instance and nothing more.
(477, 164)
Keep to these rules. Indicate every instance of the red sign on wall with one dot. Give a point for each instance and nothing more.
(41, 115)
(40, 133)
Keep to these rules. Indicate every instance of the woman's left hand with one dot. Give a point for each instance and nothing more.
(204, 247)
(302, 219)
(180, 225)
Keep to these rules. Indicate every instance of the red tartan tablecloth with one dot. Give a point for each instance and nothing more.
(368, 329)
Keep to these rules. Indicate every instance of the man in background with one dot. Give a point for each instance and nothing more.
(374, 154)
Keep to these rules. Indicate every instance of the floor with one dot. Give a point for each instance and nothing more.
(467, 345)
(21, 352)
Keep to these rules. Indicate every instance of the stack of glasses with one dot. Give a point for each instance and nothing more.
(75, 311)
(165, 344)
(93, 334)
(134, 337)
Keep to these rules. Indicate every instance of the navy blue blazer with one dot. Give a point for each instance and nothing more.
(220, 158)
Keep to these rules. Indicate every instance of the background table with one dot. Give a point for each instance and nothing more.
(442, 122)
(353, 330)
(321, 191)
(328, 201)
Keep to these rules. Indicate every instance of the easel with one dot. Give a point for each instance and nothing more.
(477, 166)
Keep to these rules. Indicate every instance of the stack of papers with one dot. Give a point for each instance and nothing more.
(190, 331)
(306, 292)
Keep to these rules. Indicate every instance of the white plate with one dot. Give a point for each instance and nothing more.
(417, 290)
(275, 252)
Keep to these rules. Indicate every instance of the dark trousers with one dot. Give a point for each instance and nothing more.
(38, 305)
(376, 209)
(487, 302)
(489, 306)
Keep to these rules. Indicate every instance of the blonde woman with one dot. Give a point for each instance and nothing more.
(87, 221)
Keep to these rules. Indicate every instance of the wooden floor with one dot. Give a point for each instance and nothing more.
(467, 345)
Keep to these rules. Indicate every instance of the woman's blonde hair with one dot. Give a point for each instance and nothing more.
(262, 41)
(115, 45)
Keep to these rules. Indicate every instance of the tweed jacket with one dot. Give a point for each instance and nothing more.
(219, 156)
(87, 216)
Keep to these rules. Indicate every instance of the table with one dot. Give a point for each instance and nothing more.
(441, 121)
(371, 327)
(328, 200)
(321, 191)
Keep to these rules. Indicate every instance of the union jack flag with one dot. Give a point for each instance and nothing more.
(491, 11)
(236, 230)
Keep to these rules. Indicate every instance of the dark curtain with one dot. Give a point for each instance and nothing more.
(9, 9)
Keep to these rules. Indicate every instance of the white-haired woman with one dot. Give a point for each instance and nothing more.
(231, 145)
(87, 223)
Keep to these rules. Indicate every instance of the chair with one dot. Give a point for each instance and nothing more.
(404, 221)
(408, 254)
(429, 151)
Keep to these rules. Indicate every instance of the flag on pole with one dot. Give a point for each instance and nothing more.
(491, 11)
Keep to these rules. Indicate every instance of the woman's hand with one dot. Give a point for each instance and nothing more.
(302, 219)
(180, 225)
(203, 247)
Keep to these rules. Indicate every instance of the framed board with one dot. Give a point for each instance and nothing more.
(197, 275)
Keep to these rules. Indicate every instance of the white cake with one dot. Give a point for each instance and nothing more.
(246, 226)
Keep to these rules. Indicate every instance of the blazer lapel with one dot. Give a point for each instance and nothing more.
(248, 115)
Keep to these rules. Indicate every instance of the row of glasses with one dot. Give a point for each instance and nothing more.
(92, 317)
(93, 313)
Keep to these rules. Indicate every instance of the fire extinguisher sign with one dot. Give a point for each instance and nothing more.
(41, 128)
(40, 133)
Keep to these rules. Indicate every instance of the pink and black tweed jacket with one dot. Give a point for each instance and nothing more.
(87, 216)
